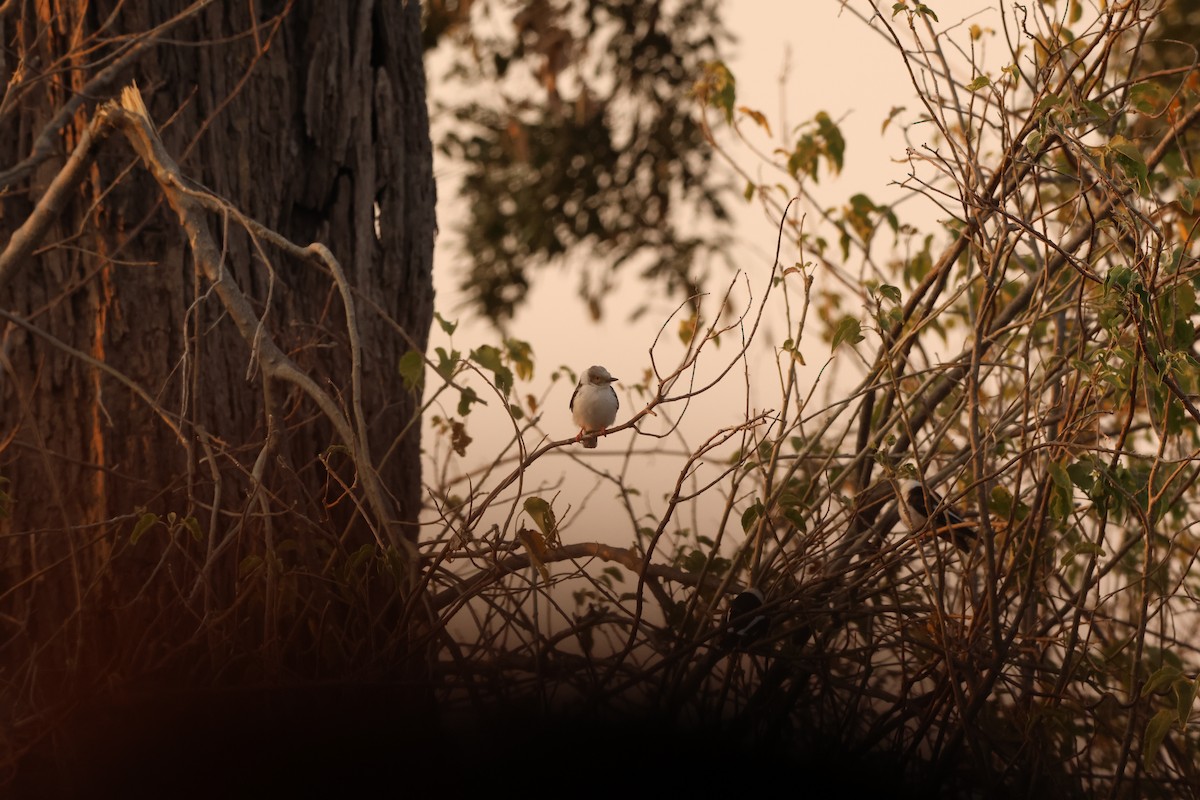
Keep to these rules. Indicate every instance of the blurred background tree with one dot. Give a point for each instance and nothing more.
(581, 139)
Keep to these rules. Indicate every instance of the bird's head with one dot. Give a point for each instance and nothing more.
(913, 493)
(596, 376)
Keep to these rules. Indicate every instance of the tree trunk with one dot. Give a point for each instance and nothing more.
(311, 120)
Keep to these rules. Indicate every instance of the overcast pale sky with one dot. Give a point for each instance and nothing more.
(835, 64)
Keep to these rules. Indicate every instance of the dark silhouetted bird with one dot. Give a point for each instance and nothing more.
(921, 505)
(745, 620)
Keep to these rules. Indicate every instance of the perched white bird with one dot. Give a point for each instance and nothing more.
(921, 505)
(594, 404)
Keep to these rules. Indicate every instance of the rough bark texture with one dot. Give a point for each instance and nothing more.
(311, 119)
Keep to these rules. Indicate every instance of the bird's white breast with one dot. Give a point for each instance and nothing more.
(595, 407)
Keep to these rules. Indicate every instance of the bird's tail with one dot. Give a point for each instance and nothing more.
(961, 535)
(589, 441)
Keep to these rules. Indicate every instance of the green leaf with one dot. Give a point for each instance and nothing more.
(849, 330)
(1082, 548)
(543, 516)
(1033, 142)
(1129, 158)
(447, 362)
(144, 523)
(1096, 111)
(1162, 678)
(1081, 474)
(694, 561)
(1120, 277)
(1156, 731)
(750, 515)
(466, 398)
(980, 82)
(1060, 476)
(749, 191)
(1149, 98)
(488, 357)
(1047, 102)
(448, 327)
(835, 143)
(249, 564)
(1185, 697)
(616, 573)
(687, 329)
(803, 159)
(858, 216)
(1000, 502)
(193, 526)
(718, 87)
(412, 370)
(890, 292)
(1188, 189)
(520, 355)
(796, 517)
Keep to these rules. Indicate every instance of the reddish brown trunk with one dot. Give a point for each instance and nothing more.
(310, 120)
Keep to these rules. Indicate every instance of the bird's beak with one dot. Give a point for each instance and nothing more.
(613, 380)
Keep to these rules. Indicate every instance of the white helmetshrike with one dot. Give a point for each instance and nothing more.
(594, 404)
(921, 505)
(744, 621)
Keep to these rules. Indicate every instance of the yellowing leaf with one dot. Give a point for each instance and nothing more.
(758, 117)
(687, 329)
(536, 547)
(543, 516)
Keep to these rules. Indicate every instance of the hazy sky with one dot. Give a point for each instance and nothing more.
(837, 65)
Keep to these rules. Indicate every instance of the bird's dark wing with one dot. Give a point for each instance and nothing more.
(744, 603)
(922, 503)
(951, 516)
(574, 394)
(947, 520)
(614, 394)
